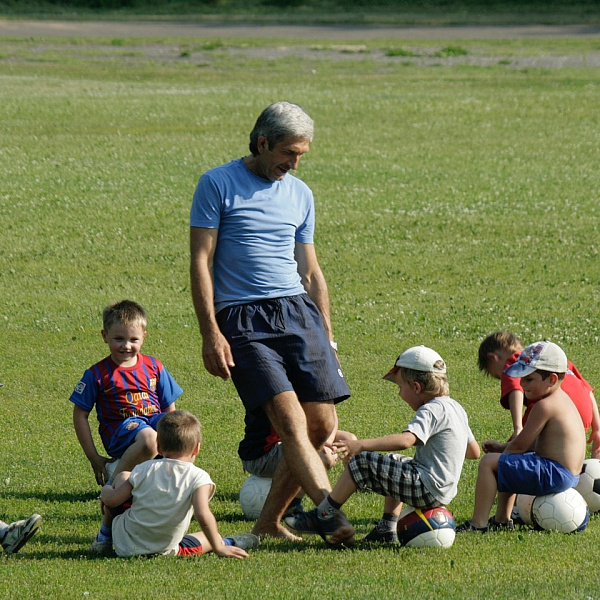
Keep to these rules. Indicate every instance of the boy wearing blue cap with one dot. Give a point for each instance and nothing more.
(545, 457)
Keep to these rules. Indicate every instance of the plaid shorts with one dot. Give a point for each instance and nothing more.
(393, 475)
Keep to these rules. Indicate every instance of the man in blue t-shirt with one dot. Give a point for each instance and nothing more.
(262, 301)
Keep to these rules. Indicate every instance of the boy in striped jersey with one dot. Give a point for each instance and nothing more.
(130, 391)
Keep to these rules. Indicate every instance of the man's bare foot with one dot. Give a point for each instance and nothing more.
(275, 531)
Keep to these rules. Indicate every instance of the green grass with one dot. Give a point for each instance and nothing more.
(452, 201)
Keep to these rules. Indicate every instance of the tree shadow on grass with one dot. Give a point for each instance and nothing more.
(72, 496)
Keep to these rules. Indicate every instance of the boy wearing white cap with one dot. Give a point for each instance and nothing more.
(439, 430)
(547, 455)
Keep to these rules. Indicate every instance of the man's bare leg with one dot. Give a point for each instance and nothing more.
(302, 466)
(283, 489)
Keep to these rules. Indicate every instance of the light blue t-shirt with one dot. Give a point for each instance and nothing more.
(259, 222)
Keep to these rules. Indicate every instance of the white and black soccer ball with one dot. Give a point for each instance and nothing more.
(253, 494)
(426, 528)
(524, 507)
(565, 512)
(589, 483)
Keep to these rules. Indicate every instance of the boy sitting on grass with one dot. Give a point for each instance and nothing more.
(500, 350)
(130, 391)
(439, 430)
(546, 457)
(165, 493)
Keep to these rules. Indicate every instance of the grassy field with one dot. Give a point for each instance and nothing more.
(453, 199)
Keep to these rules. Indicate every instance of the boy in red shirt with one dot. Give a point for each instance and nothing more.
(500, 350)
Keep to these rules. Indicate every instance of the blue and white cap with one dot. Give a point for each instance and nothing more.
(545, 356)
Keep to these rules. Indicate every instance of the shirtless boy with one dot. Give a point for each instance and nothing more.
(546, 457)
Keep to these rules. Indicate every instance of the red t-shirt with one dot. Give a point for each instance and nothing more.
(574, 385)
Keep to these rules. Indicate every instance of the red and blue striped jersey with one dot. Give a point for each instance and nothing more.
(118, 393)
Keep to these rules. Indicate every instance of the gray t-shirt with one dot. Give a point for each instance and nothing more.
(442, 430)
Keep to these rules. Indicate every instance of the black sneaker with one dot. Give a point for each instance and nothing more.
(468, 527)
(338, 527)
(381, 537)
(309, 522)
(294, 509)
(493, 525)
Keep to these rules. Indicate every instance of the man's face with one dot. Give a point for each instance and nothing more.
(274, 163)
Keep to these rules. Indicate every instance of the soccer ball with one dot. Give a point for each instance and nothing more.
(253, 494)
(589, 483)
(426, 528)
(524, 506)
(565, 512)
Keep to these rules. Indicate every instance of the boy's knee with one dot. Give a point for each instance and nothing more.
(489, 462)
(147, 438)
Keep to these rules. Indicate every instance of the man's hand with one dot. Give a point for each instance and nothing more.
(217, 356)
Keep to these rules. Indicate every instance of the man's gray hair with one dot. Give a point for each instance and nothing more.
(280, 121)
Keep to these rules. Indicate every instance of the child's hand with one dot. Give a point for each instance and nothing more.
(347, 449)
(492, 446)
(594, 440)
(232, 552)
(99, 466)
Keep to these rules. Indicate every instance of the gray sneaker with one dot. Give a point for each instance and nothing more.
(101, 548)
(246, 541)
(19, 532)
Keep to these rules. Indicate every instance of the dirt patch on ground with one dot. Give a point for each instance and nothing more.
(14, 28)
(322, 42)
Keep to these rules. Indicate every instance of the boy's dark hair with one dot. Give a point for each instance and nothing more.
(125, 312)
(500, 340)
(178, 432)
(546, 374)
(435, 384)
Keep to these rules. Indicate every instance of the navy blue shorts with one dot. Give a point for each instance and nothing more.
(190, 546)
(533, 475)
(280, 345)
(128, 429)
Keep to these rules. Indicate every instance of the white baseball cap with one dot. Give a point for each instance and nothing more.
(539, 355)
(418, 358)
